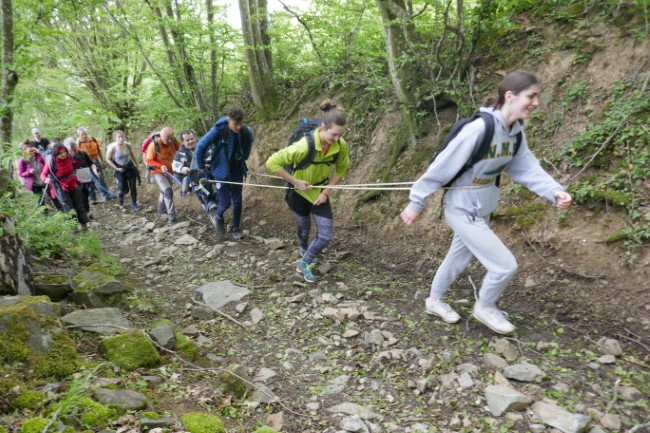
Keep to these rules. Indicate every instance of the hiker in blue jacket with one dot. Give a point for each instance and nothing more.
(224, 150)
(473, 196)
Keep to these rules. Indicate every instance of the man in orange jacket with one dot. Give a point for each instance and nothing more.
(159, 157)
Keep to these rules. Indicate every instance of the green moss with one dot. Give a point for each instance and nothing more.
(93, 276)
(15, 322)
(231, 384)
(614, 197)
(14, 337)
(150, 415)
(130, 350)
(185, 346)
(35, 425)
(60, 361)
(524, 216)
(200, 422)
(621, 235)
(265, 430)
(50, 279)
(94, 415)
(29, 399)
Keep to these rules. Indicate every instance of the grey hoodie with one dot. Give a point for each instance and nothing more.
(523, 168)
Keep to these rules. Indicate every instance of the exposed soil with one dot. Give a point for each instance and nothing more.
(550, 301)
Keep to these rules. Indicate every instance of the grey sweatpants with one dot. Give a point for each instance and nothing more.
(474, 238)
(166, 196)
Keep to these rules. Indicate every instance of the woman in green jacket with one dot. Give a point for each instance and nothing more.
(310, 195)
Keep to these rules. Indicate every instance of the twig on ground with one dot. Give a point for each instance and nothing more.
(640, 364)
(522, 344)
(633, 340)
(227, 316)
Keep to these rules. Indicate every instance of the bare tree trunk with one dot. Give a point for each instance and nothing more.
(254, 23)
(15, 273)
(9, 76)
(214, 101)
(399, 31)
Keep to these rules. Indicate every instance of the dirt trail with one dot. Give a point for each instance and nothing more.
(360, 335)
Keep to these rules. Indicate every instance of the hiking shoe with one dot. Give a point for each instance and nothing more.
(221, 226)
(493, 318)
(436, 307)
(305, 268)
(171, 218)
(237, 234)
(135, 207)
(185, 186)
(303, 251)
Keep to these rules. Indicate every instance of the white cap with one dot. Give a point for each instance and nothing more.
(35, 130)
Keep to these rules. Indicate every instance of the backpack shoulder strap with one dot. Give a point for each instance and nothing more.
(486, 139)
(311, 151)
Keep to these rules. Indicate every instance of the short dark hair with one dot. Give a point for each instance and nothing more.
(236, 114)
(185, 131)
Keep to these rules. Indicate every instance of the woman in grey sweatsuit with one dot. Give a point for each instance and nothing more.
(473, 196)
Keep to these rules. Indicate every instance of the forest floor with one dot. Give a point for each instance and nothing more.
(360, 335)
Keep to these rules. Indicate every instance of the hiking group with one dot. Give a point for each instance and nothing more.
(467, 167)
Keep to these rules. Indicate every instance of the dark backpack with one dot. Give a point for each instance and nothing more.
(155, 139)
(306, 128)
(482, 146)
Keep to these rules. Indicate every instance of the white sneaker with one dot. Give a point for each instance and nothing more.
(441, 309)
(493, 318)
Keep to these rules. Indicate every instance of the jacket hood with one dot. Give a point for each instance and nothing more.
(500, 123)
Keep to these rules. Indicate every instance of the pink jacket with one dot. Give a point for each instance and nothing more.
(23, 170)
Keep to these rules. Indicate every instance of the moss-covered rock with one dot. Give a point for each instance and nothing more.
(55, 286)
(29, 399)
(94, 415)
(31, 332)
(130, 350)
(60, 361)
(201, 422)
(96, 287)
(185, 347)
(35, 425)
(233, 384)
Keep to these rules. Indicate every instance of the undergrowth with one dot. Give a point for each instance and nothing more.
(616, 151)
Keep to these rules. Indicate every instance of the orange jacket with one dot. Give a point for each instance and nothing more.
(165, 155)
(92, 147)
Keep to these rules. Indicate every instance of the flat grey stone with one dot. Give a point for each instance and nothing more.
(220, 293)
(501, 399)
(103, 321)
(124, 398)
(560, 418)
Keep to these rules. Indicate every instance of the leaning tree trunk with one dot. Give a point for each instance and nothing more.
(254, 23)
(15, 273)
(398, 31)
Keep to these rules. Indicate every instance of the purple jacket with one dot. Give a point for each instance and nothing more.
(23, 169)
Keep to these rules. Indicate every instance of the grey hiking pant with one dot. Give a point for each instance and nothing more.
(166, 197)
(474, 238)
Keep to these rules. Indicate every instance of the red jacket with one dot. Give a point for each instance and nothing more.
(62, 170)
